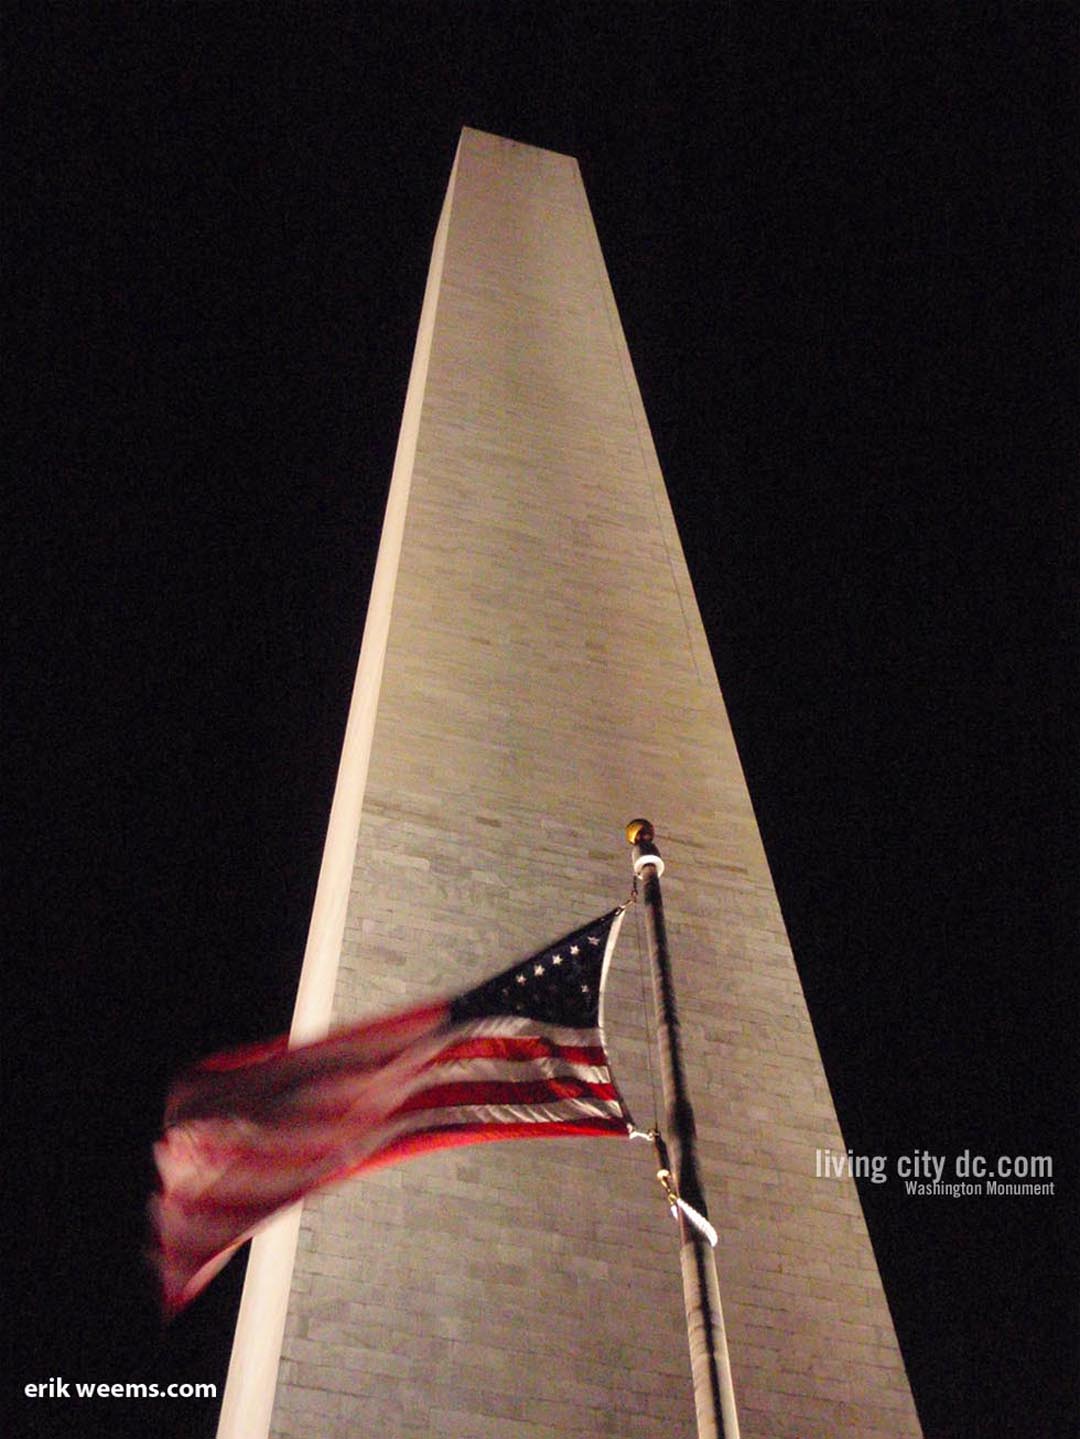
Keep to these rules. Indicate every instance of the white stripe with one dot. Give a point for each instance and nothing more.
(514, 1026)
(511, 1070)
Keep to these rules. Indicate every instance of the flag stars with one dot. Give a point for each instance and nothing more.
(538, 969)
(593, 939)
(521, 979)
(556, 959)
(575, 949)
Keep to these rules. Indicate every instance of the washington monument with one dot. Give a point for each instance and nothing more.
(534, 672)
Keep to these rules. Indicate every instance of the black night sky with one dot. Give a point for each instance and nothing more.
(839, 239)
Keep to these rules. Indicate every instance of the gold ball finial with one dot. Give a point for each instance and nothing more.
(639, 831)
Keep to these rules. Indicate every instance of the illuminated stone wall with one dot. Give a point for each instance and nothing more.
(547, 677)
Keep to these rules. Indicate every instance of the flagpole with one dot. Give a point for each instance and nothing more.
(714, 1396)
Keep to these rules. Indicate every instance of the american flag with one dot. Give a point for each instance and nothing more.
(250, 1132)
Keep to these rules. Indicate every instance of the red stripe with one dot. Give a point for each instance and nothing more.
(501, 1091)
(523, 1048)
(247, 1054)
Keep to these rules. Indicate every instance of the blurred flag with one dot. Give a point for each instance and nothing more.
(252, 1131)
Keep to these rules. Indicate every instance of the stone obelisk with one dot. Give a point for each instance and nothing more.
(534, 672)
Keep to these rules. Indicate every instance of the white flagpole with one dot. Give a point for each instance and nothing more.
(714, 1395)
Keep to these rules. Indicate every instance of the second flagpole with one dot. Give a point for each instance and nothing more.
(714, 1396)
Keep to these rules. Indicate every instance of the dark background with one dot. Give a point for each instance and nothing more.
(839, 240)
